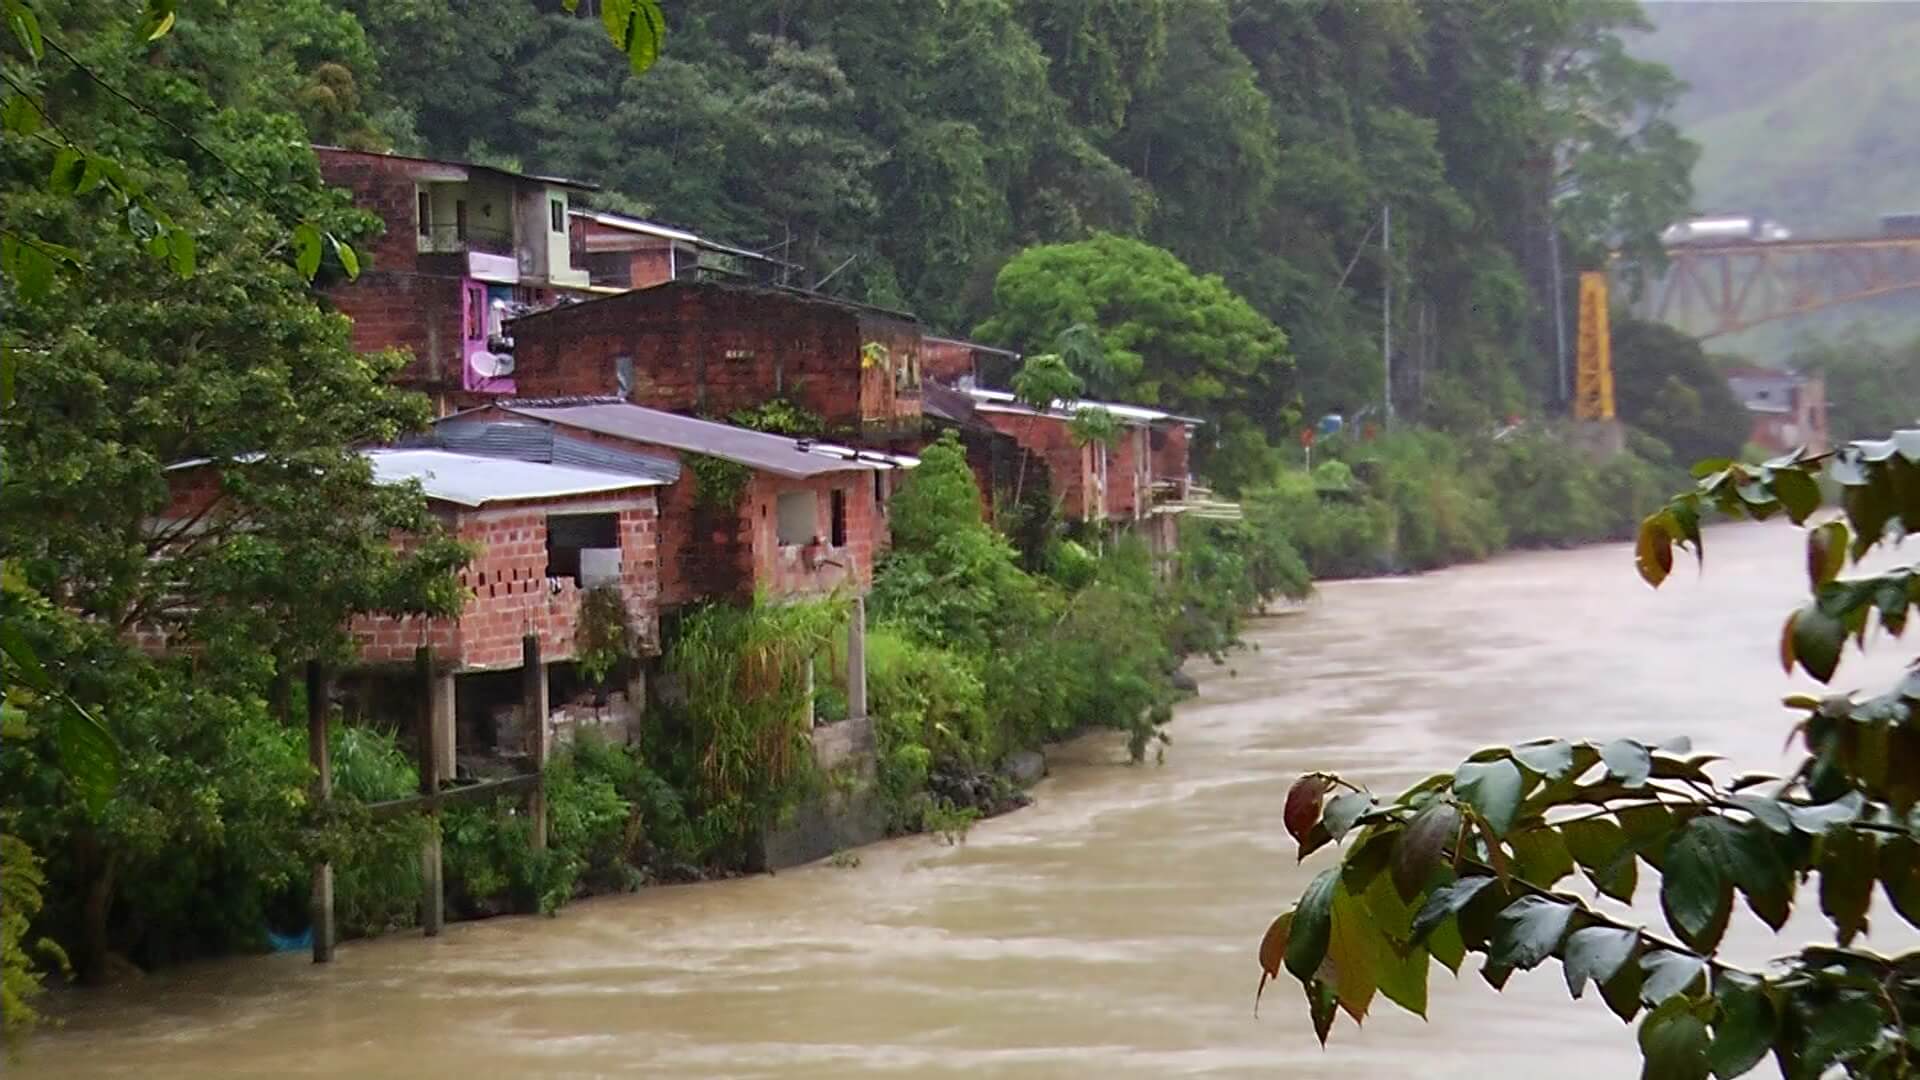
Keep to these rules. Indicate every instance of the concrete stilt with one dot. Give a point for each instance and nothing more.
(533, 702)
(319, 704)
(433, 900)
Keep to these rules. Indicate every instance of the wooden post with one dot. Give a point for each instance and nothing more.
(320, 901)
(857, 661)
(533, 702)
(432, 890)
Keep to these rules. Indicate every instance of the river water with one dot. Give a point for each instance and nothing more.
(1108, 931)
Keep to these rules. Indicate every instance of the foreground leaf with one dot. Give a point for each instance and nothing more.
(1273, 952)
(1673, 1044)
(1302, 810)
(1528, 931)
(1321, 1006)
(1667, 973)
(1351, 949)
(1628, 761)
(1744, 1029)
(1445, 901)
(1597, 953)
(1603, 849)
(1312, 926)
(1692, 888)
(1493, 789)
(1847, 871)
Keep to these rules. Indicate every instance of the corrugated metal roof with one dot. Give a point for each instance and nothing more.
(1002, 401)
(531, 441)
(557, 181)
(779, 454)
(774, 292)
(974, 345)
(668, 232)
(476, 480)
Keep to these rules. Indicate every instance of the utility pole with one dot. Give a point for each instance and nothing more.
(1386, 305)
(1559, 310)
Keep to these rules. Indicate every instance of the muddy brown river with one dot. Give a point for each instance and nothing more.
(1108, 931)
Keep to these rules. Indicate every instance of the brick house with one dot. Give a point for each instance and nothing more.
(625, 252)
(1116, 484)
(464, 245)
(713, 348)
(544, 535)
(808, 517)
(1788, 409)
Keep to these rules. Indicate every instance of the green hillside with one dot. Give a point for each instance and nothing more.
(1805, 112)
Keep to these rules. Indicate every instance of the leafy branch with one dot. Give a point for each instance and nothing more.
(1474, 861)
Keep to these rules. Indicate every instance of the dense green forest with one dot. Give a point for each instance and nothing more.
(1259, 141)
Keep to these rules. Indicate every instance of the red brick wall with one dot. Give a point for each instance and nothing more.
(1070, 468)
(946, 361)
(792, 570)
(392, 305)
(509, 593)
(1128, 480)
(383, 186)
(1170, 461)
(1170, 455)
(890, 390)
(714, 349)
(418, 314)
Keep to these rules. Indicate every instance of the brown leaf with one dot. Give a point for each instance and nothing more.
(1302, 812)
(1826, 552)
(1273, 947)
(1419, 848)
(1653, 550)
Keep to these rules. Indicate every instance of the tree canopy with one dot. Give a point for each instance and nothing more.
(218, 351)
(1165, 335)
(1667, 386)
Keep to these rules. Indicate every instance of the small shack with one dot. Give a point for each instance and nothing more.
(547, 539)
(1123, 482)
(749, 511)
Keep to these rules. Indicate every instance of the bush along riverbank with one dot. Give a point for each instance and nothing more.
(1418, 499)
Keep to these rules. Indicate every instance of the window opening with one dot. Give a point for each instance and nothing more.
(837, 516)
(795, 518)
(460, 218)
(584, 547)
(557, 210)
(426, 214)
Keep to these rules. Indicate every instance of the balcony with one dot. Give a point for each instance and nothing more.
(456, 239)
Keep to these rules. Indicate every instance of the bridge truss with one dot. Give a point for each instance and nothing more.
(1708, 291)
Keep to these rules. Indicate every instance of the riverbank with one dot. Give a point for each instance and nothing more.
(1105, 931)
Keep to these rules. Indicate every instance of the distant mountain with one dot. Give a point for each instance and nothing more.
(1805, 111)
(1808, 112)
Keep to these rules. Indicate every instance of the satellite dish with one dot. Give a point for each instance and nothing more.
(491, 365)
